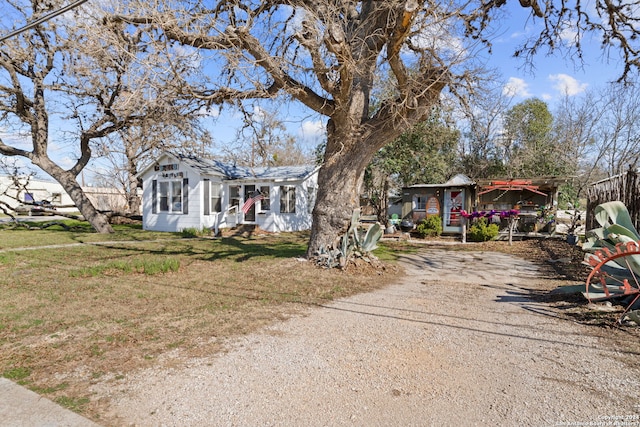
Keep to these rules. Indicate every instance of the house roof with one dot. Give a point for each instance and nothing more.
(231, 171)
(215, 167)
(460, 180)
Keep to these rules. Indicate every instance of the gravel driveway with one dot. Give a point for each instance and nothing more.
(458, 343)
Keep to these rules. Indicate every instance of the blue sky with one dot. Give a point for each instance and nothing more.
(552, 78)
(553, 75)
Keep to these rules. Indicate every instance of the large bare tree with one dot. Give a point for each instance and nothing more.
(327, 55)
(75, 80)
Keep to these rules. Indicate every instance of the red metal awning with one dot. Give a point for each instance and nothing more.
(512, 185)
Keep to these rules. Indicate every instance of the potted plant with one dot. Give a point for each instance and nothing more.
(574, 222)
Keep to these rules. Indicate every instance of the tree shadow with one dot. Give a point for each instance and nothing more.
(237, 248)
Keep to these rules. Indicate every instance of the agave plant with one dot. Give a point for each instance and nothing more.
(616, 227)
(357, 242)
(610, 251)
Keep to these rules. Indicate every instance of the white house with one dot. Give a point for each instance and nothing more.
(187, 192)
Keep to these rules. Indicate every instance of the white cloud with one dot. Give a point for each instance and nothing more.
(439, 37)
(19, 140)
(567, 85)
(312, 130)
(66, 162)
(569, 35)
(259, 114)
(547, 97)
(518, 35)
(516, 87)
(213, 111)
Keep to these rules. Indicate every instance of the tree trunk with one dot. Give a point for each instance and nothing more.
(131, 189)
(97, 220)
(336, 200)
(70, 184)
(339, 185)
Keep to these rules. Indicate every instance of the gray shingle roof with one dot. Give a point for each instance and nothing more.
(231, 171)
(459, 180)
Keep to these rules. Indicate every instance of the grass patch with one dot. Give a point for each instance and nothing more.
(50, 390)
(392, 250)
(192, 232)
(75, 404)
(18, 374)
(72, 231)
(147, 266)
(115, 307)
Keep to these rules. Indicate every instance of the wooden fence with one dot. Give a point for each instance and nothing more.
(624, 188)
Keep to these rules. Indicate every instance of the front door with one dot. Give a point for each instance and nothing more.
(453, 204)
(249, 191)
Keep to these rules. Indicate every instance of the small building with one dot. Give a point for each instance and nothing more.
(446, 200)
(535, 199)
(33, 189)
(182, 192)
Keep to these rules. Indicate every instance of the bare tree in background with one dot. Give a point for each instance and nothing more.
(618, 138)
(326, 55)
(263, 140)
(576, 123)
(133, 148)
(480, 149)
(79, 76)
(598, 133)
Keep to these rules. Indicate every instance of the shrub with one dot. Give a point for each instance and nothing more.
(189, 232)
(431, 226)
(481, 231)
(192, 232)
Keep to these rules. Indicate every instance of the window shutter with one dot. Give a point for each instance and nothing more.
(205, 198)
(185, 196)
(154, 196)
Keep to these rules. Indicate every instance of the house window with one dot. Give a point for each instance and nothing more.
(164, 196)
(265, 203)
(234, 195)
(211, 197)
(287, 199)
(216, 201)
(176, 196)
(419, 202)
(56, 198)
(172, 196)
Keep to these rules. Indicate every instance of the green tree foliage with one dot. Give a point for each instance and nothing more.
(529, 148)
(423, 155)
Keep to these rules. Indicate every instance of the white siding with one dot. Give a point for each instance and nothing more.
(268, 220)
(172, 221)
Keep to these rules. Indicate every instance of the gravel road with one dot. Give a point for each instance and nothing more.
(459, 342)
